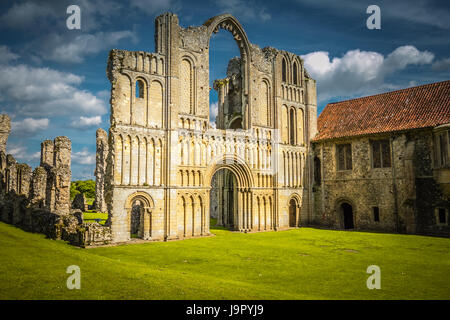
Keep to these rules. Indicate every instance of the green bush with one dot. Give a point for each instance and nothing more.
(82, 186)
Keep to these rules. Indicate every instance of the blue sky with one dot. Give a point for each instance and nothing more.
(53, 80)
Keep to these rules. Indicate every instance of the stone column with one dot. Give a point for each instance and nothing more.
(5, 129)
(100, 170)
(47, 153)
(11, 174)
(62, 174)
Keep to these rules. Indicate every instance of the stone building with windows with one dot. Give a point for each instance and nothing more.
(383, 162)
(163, 158)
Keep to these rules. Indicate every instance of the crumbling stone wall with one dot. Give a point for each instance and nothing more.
(39, 200)
(79, 202)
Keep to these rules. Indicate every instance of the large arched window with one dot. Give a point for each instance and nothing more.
(295, 73)
(140, 89)
(292, 126)
(283, 70)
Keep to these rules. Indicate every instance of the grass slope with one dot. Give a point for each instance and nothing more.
(296, 264)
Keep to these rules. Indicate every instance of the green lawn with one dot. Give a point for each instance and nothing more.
(92, 214)
(296, 264)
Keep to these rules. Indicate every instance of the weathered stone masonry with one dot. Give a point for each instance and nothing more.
(163, 154)
(398, 173)
(39, 200)
(100, 170)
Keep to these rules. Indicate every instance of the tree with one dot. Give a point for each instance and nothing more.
(87, 187)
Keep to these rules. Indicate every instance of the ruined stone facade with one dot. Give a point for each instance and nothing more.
(163, 154)
(39, 200)
(374, 173)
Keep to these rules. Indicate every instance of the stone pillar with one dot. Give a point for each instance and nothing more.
(61, 174)
(2, 171)
(5, 129)
(47, 153)
(11, 174)
(62, 152)
(100, 170)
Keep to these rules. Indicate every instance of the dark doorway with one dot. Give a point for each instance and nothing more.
(135, 224)
(292, 213)
(347, 212)
(223, 199)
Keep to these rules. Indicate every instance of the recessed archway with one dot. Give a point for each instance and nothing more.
(223, 198)
(234, 210)
(294, 211)
(139, 206)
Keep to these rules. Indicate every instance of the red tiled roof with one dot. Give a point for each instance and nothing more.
(411, 108)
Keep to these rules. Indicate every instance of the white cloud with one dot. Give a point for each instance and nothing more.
(29, 126)
(21, 154)
(6, 55)
(213, 111)
(46, 92)
(245, 10)
(359, 72)
(441, 65)
(74, 51)
(26, 14)
(86, 122)
(401, 57)
(83, 157)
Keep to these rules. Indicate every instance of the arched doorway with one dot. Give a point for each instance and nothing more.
(139, 206)
(292, 213)
(136, 216)
(347, 214)
(224, 198)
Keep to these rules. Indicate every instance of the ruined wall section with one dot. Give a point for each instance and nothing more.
(24, 196)
(193, 70)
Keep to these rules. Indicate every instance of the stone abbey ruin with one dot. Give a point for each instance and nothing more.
(168, 171)
(162, 171)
